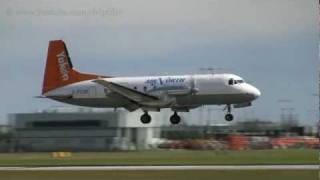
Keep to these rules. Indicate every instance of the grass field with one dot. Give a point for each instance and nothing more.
(165, 157)
(162, 175)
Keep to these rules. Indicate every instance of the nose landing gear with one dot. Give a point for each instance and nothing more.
(228, 116)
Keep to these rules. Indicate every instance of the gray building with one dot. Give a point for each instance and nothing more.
(81, 130)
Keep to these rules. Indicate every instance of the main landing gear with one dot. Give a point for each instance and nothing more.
(146, 118)
(228, 116)
(175, 118)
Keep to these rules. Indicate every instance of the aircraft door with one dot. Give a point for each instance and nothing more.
(92, 92)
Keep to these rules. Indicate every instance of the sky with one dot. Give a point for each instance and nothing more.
(271, 44)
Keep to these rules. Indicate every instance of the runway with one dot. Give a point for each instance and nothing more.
(159, 168)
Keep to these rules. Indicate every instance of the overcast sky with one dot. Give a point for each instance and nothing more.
(272, 44)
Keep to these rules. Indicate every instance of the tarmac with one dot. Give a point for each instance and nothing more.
(159, 168)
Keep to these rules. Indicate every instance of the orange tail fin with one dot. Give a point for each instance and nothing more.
(59, 70)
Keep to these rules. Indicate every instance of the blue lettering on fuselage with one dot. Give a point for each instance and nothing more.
(160, 80)
(152, 82)
(175, 80)
(169, 80)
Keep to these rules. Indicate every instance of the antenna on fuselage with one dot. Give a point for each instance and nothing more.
(211, 70)
(206, 70)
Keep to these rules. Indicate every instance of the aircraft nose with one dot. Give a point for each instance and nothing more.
(256, 93)
(253, 92)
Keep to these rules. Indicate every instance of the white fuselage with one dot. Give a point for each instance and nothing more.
(181, 92)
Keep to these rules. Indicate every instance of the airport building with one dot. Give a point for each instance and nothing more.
(85, 129)
(81, 130)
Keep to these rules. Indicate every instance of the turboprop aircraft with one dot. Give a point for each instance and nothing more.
(150, 93)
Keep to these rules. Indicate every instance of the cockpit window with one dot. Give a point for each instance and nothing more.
(231, 82)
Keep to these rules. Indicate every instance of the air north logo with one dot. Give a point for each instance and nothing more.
(63, 66)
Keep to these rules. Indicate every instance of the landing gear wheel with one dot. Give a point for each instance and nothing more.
(228, 117)
(145, 118)
(175, 118)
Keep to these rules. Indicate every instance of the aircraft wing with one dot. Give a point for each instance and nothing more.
(128, 93)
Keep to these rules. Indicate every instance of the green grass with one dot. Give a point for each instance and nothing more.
(162, 175)
(165, 157)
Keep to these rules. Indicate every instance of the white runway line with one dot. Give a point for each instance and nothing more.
(159, 168)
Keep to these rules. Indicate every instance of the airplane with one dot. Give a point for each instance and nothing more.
(180, 93)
